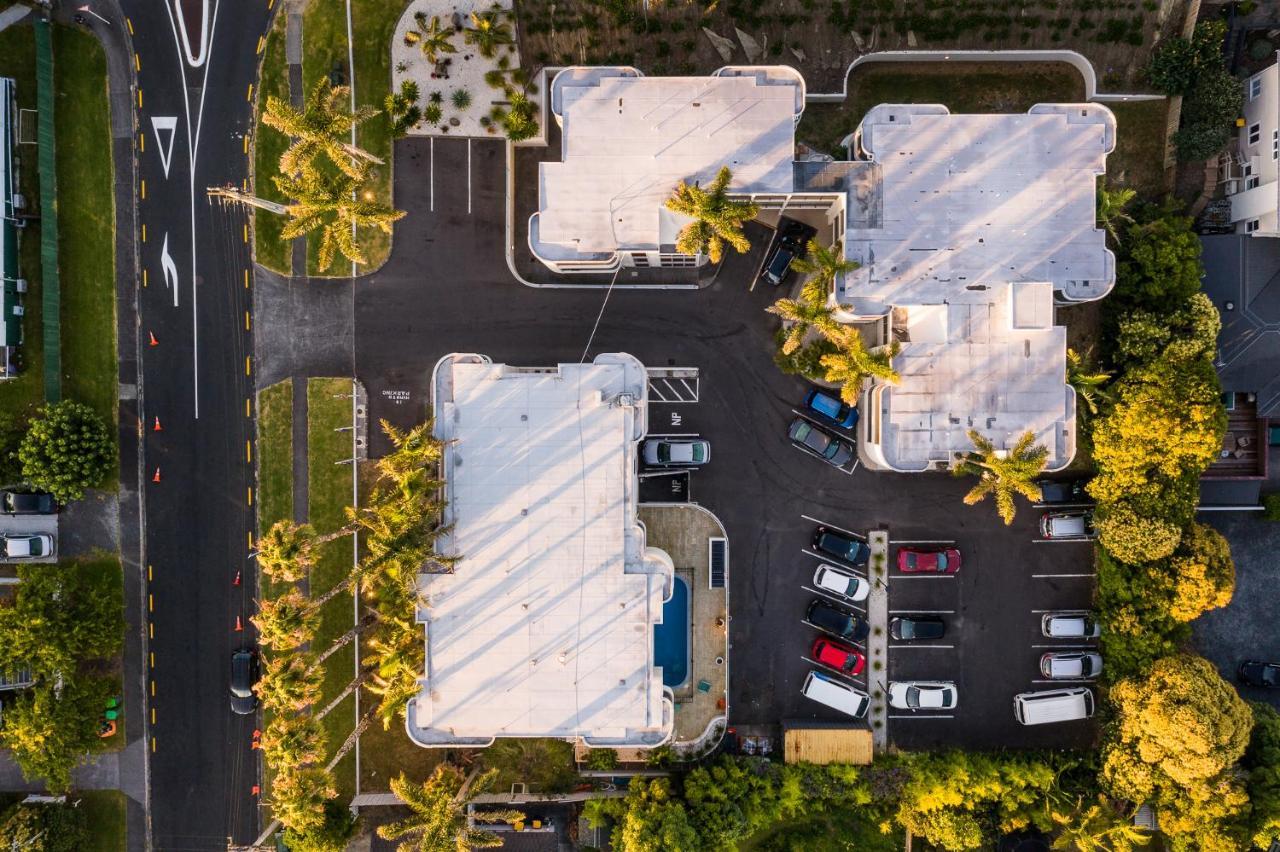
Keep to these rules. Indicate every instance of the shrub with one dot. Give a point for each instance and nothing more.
(1271, 506)
(461, 99)
(1160, 264)
(67, 449)
(45, 827)
(602, 759)
(1135, 538)
(432, 113)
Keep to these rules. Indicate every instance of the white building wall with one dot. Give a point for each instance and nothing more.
(1252, 176)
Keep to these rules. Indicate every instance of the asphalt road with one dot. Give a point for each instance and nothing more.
(195, 62)
(446, 288)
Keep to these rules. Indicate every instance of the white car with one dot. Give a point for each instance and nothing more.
(923, 695)
(663, 452)
(841, 583)
(1070, 625)
(1071, 665)
(23, 546)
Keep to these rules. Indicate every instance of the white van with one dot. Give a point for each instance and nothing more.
(836, 695)
(1053, 705)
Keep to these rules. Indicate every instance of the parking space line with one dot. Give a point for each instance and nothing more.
(920, 716)
(1062, 680)
(834, 527)
(1069, 647)
(856, 680)
(923, 541)
(922, 612)
(1061, 541)
(824, 633)
(835, 599)
(861, 572)
(1044, 576)
(431, 173)
(901, 576)
(914, 645)
(671, 435)
(468, 174)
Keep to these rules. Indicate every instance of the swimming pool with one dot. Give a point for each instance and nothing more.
(671, 637)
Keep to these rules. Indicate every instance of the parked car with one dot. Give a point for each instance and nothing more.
(838, 622)
(662, 452)
(244, 674)
(835, 694)
(791, 243)
(909, 628)
(1063, 491)
(1071, 665)
(830, 409)
(1070, 625)
(1258, 673)
(1068, 525)
(912, 560)
(817, 441)
(837, 581)
(842, 658)
(841, 545)
(18, 503)
(922, 695)
(27, 545)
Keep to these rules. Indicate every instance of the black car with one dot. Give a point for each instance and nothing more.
(1063, 491)
(909, 628)
(836, 621)
(840, 545)
(817, 441)
(244, 674)
(791, 243)
(16, 503)
(1258, 673)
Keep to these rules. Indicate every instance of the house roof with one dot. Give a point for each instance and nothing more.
(1245, 272)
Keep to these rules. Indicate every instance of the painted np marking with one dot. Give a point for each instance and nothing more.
(168, 124)
(170, 269)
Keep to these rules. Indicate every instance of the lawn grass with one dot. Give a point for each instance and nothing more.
(104, 812)
(546, 765)
(1138, 161)
(268, 248)
(977, 87)
(836, 829)
(21, 396)
(104, 576)
(329, 493)
(275, 463)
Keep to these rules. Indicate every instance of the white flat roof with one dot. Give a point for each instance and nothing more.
(969, 200)
(628, 140)
(545, 628)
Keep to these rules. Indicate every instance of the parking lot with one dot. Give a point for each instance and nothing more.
(447, 288)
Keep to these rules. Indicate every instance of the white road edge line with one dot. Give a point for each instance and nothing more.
(468, 175)
(431, 172)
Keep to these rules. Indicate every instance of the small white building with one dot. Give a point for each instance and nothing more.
(545, 626)
(627, 140)
(1249, 172)
(984, 222)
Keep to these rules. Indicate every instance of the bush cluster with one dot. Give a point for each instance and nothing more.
(1212, 98)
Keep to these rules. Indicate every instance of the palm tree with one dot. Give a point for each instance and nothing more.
(432, 38)
(439, 820)
(1000, 472)
(286, 622)
(292, 739)
(520, 118)
(1097, 828)
(330, 203)
(287, 552)
(853, 363)
(289, 683)
(808, 312)
(1111, 212)
(487, 32)
(298, 797)
(717, 218)
(824, 264)
(399, 657)
(322, 126)
(1086, 379)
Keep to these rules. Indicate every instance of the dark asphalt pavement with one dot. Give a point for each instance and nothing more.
(195, 62)
(446, 288)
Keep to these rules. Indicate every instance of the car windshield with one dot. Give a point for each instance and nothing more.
(664, 452)
(826, 405)
(911, 560)
(913, 696)
(942, 561)
(833, 447)
(699, 452)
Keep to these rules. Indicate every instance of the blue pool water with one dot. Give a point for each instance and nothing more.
(671, 637)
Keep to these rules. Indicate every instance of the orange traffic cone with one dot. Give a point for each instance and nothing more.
(156, 478)
(236, 581)
(239, 626)
(156, 428)
(256, 789)
(152, 335)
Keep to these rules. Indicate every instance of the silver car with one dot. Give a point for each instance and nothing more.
(1070, 625)
(27, 546)
(1071, 665)
(923, 695)
(684, 452)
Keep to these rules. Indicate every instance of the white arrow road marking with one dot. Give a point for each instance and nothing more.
(167, 123)
(170, 269)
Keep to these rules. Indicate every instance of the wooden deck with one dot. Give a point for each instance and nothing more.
(1243, 446)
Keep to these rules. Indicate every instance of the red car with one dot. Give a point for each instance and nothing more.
(913, 561)
(842, 658)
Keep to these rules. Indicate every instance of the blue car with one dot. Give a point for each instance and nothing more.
(831, 409)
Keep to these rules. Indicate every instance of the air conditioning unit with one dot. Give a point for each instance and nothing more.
(18, 310)
(20, 284)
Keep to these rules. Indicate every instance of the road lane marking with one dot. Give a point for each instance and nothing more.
(144, 232)
(246, 407)
(431, 172)
(246, 279)
(148, 573)
(137, 63)
(1069, 647)
(246, 365)
(142, 142)
(262, 43)
(246, 143)
(922, 611)
(825, 633)
(1061, 680)
(246, 232)
(856, 680)
(246, 320)
(153, 659)
(151, 630)
(1043, 576)
(129, 24)
(144, 277)
(249, 96)
(151, 603)
(250, 490)
(153, 689)
(914, 645)
(153, 715)
(901, 576)
(924, 541)
(139, 98)
(919, 716)
(251, 539)
(153, 745)
(248, 452)
(468, 175)
(144, 189)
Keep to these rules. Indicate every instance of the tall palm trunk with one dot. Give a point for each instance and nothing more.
(346, 638)
(352, 738)
(351, 687)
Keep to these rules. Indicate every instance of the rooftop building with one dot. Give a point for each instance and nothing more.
(983, 223)
(545, 628)
(627, 140)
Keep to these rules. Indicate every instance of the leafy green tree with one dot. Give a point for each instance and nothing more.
(824, 265)
(1002, 473)
(285, 622)
(808, 313)
(1097, 826)
(520, 119)
(1135, 537)
(320, 129)
(1177, 64)
(44, 827)
(286, 553)
(439, 817)
(1181, 727)
(718, 219)
(1087, 380)
(1209, 112)
(293, 740)
(1201, 575)
(289, 683)
(1111, 210)
(853, 363)
(62, 615)
(67, 449)
(602, 759)
(48, 729)
(300, 797)
(1181, 335)
(1262, 763)
(331, 204)
(402, 108)
(1159, 263)
(655, 820)
(332, 835)
(432, 38)
(1137, 628)
(1197, 142)
(729, 801)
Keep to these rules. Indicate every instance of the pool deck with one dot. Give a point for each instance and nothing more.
(683, 532)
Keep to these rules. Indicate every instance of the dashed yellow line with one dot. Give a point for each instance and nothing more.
(153, 745)
(250, 490)
(246, 232)
(246, 320)
(144, 189)
(251, 539)
(139, 99)
(246, 365)
(148, 573)
(248, 451)
(151, 602)
(249, 96)
(129, 24)
(246, 408)
(137, 63)
(151, 630)
(144, 278)
(246, 143)
(153, 689)
(246, 279)
(262, 42)
(270, 3)
(244, 184)
(144, 233)
(142, 142)
(153, 659)
(153, 715)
